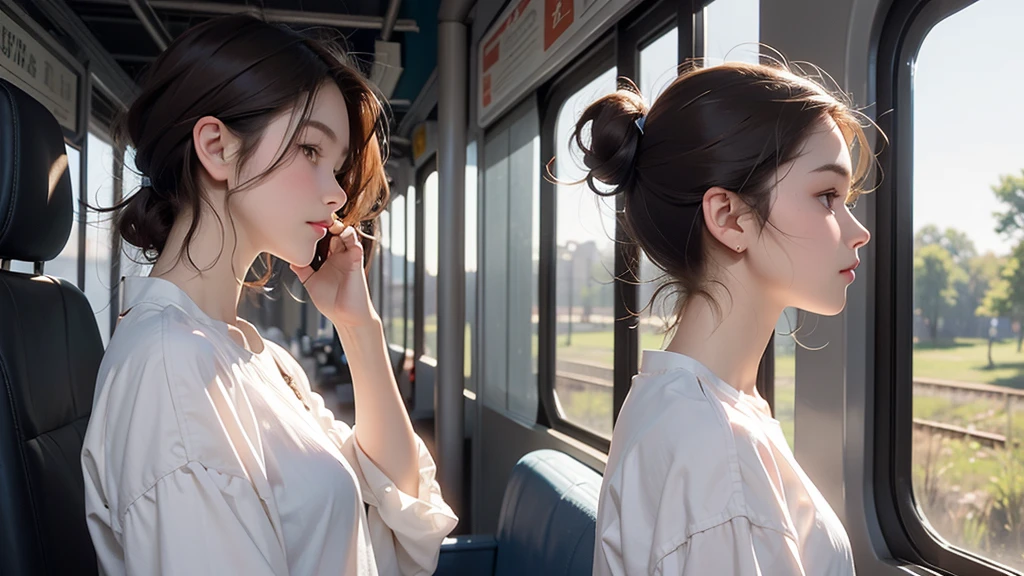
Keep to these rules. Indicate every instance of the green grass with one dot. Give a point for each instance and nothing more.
(966, 360)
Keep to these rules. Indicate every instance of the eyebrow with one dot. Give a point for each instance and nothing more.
(833, 167)
(322, 127)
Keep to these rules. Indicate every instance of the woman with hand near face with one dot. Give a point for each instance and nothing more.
(207, 452)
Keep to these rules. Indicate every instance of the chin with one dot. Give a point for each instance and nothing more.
(299, 256)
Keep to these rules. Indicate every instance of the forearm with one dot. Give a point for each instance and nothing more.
(383, 429)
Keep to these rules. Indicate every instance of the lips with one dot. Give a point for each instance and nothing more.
(850, 268)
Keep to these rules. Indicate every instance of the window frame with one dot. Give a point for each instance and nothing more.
(620, 47)
(903, 31)
(590, 65)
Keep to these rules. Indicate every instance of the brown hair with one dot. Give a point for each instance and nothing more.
(730, 126)
(243, 71)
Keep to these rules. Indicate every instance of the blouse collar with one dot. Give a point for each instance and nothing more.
(655, 361)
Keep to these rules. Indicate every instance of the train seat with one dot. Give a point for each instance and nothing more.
(50, 351)
(546, 527)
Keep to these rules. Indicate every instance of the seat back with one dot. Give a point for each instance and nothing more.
(50, 351)
(548, 517)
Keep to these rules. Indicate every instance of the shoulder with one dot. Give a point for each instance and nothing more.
(669, 417)
(156, 350)
(155, 404)
(673, 449)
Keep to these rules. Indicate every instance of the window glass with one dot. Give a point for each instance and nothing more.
(584, 272)
(658, 61)
(397, 291)
(968, 373)
(430, 230)
(732, 31)
(410, 267)
(98, 239)
(384, 293)
(132, 261)
(785, 371)
(509, 264)
(471, 274)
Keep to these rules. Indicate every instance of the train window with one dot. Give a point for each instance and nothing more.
(430, 230)
(396, 292)
(968, 282)
(98, 238)
(731, 31)
(132, 262)
(509, 264)
(658, 62)
(785, 372)
(470, 238)
(410, 266)
(584, 261)
(385, 272)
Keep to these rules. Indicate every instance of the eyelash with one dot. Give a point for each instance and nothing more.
(307, 150)
(832, 195)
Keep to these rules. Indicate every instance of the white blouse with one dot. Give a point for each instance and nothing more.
(199, 459)
(700, 481)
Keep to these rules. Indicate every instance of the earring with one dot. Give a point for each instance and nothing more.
(737, 248)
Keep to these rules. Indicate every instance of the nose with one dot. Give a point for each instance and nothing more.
(856, 234)
(335, 196)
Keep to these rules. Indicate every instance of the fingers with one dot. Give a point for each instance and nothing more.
(337, 227)
(349, 239)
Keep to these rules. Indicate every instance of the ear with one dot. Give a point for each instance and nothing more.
(217, 148)
(728, 219)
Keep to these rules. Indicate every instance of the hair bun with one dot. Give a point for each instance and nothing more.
(614, 139)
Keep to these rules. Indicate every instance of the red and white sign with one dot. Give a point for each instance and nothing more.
(527, 40)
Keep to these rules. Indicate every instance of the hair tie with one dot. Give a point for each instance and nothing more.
(146, 182)
(640, 123)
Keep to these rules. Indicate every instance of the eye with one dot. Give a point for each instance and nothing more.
(828, 199)
(311, 152)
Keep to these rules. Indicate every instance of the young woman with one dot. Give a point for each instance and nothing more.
(737, 183)
(207, 452)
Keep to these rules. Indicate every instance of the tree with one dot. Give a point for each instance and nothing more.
(1010, 191)
(935, 275)
(957, 243)
(959, 319)
(1005, 297)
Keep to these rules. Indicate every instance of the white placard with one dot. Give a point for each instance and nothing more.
(529, 38)
(26, 62)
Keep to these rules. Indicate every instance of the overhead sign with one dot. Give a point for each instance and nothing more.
(28, 62)
(529, 39)
(424, 142)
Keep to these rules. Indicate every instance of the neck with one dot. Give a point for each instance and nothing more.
(215, 282)
(732, 342)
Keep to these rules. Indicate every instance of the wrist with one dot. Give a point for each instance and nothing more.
(372, 324)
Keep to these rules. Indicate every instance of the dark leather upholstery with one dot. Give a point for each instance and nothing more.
(35, 184)
(50, 350)
(547, 523)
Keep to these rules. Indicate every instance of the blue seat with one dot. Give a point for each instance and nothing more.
(546, 527)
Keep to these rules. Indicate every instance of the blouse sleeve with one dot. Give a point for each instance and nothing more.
(736, 547)
(406, 530)
(197, 521)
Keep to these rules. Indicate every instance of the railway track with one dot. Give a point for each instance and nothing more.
(599, 379)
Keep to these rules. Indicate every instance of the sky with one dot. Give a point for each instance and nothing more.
(967, 123)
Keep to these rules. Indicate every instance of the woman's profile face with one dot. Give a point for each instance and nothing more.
(806, 252)
(280, 215)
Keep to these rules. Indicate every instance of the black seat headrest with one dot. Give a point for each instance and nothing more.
(35, 183)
